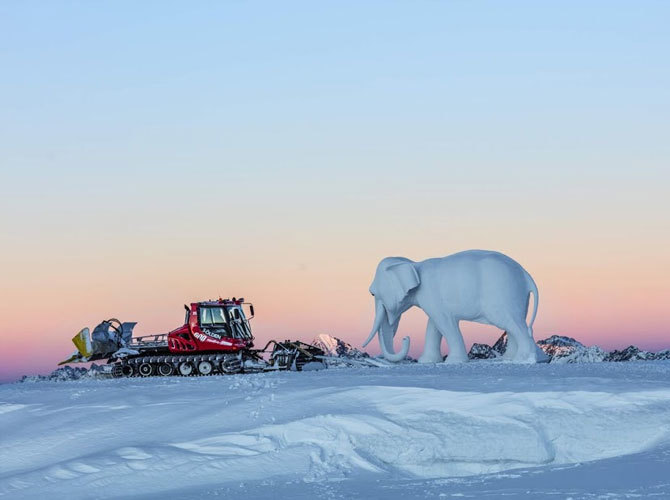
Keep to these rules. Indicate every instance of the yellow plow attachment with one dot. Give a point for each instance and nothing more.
(82, 342)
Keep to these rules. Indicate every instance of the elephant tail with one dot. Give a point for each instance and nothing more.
(532, 288)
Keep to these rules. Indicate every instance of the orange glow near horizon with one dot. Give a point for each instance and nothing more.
(299, 300)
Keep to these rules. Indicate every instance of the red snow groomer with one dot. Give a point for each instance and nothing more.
(215, 338)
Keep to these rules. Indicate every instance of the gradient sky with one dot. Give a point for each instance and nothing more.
(157, 153)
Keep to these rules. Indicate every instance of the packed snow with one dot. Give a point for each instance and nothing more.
(482, 429)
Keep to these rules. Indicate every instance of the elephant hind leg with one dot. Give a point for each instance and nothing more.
(511, 348)
(524, 346)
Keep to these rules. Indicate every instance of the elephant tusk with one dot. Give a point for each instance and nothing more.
(379, 315)
(372, 335)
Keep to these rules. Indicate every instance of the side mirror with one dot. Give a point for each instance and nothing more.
(188, 309)
(251, 309)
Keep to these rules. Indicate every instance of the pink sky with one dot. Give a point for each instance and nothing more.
(297, 296)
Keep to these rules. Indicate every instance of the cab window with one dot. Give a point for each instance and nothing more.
(212, 316)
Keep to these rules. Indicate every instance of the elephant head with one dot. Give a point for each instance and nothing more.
(395, 278)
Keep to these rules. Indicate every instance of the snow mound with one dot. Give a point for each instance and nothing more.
(68, 373)
(181, 437)
(317, 426)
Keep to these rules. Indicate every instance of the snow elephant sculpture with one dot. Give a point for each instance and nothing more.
(476, 285)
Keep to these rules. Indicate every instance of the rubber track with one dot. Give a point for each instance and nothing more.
(175, 360)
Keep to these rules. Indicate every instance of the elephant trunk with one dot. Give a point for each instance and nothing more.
(386, 331)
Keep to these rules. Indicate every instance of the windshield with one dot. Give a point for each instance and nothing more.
(212, 316)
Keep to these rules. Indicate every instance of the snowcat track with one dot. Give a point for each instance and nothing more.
(178, 365)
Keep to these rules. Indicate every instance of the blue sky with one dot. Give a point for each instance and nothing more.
(336, 132)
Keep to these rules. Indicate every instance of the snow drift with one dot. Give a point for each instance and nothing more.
(121, 437)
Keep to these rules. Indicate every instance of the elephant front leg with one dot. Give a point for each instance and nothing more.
(431, 350)
(452, 334)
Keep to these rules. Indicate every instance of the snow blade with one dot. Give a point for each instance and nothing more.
(108, 337)
(82, 341)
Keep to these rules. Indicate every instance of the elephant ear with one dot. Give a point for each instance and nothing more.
(403, 279)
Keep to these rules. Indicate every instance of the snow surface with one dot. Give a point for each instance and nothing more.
(481, 429)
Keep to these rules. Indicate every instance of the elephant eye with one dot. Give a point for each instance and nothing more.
(372, 294)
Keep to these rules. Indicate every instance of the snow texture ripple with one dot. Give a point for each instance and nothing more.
(409, 430)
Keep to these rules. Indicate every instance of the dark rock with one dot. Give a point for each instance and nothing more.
(333, 346)
(630, 353)
(501, 344)
(559, 346)
(68, 372)
(662, 355)
(482, 351)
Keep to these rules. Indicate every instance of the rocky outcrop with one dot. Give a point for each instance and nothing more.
(558, 346)
(592, 354)
(630, 353)
(501, 344)
(333, 346)
(563, 349)
(67, 373)
(482, 351)
(662, 355)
